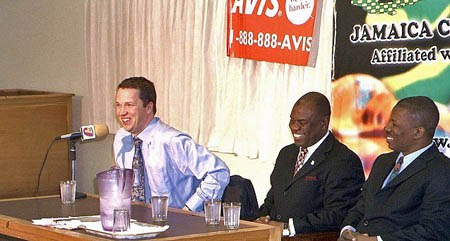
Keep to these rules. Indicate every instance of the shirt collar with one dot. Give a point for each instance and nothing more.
(408, 159)
(146, 133)
(316, 145)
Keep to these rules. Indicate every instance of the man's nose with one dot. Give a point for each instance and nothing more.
(387, 128)
(295, 127)
(122, 110)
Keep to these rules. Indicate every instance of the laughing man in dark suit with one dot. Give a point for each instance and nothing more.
(407, 195)
(312, 190)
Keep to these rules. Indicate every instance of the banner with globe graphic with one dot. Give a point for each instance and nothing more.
(386, 50)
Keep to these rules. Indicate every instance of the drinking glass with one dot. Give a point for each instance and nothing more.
(121, 220)
(212, 211)
(231, 215)
(68, 189)
(159, 208)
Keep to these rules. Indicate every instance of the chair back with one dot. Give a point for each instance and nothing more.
(241, 190)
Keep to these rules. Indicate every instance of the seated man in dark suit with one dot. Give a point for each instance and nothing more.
(315, 180)
(407, 195)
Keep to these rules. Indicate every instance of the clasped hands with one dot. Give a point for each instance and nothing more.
(348, 235)
(266, 220)
(263, 219)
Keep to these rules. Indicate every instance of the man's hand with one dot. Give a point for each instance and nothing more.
(266, 220)
(348, 235)
(263, 219)
(364, 237)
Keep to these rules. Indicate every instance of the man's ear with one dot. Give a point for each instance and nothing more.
(325, 122)
(419, 132)
(149, 107)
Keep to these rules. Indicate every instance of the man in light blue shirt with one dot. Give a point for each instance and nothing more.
(173, 164)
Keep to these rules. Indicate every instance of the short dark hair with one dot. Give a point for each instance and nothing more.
(423, 111)
(147, 92)
(318, 100)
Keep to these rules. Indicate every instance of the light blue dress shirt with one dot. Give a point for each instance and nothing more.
(175, 166)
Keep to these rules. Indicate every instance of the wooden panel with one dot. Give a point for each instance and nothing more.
(31, 120)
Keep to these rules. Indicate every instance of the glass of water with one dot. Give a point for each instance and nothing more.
(231, 215)
(212, 211)
(68, 189)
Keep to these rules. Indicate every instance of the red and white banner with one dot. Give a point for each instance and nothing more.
(282, 31)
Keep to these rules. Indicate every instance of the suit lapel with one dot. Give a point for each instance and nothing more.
(385, 169)
(316, 158)
(417, 165)
(292, 160)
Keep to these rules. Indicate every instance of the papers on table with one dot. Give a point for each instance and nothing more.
(137, 230)
(92, 224)
(66, 222)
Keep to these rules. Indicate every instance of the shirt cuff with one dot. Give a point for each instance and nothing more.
(348, 227)
(291, 227)
(195, 203)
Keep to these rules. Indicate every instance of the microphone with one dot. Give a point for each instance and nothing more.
(89, 132)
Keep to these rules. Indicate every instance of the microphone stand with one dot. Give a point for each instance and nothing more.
(73, 157)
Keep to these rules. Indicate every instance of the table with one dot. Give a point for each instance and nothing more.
(16, 216)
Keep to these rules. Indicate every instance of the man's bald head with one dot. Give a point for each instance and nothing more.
(317, 101)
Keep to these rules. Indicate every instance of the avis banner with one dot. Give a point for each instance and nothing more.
(386, 50)
(282, 31)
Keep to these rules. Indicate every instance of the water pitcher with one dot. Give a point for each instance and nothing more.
(114, 188)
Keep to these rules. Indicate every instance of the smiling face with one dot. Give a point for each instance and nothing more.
(131, 112)
(307, 125)
(402, 133)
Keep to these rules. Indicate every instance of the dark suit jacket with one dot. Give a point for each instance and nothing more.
(415, 205)
(321, 193)
(241, 190)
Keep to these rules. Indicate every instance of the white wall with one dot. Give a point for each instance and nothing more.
(42, 48)
(42, 45)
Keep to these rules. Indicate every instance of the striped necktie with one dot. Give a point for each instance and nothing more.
(138, 193)
(300, 159)
(395, 170)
